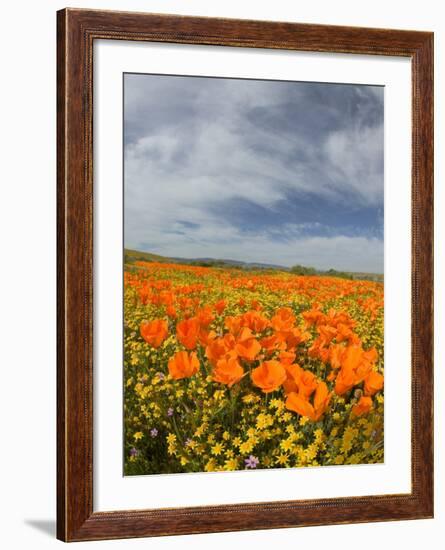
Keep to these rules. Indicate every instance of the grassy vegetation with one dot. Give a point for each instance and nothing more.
(131, 256)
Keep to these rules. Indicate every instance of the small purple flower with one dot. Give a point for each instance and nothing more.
(134, 452)
(188, 441)
(153, 432)
(251, 462)
(160, 375)
(170, 412)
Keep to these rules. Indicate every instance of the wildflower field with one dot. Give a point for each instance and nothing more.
(229, 369)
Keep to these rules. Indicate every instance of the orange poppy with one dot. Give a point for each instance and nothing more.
(185, 303)
(220, 306)
(228, 370)
(318, 350)
(287, 357)
(298, 404)
(154, 332)
(144, 295)
(171, 312)
(345, 333)
(373, 383)
(352, 358)
(301, 405)
(294, 337)
(313, 316)
(248, 349)
(255, 321)
(269, 376)
(336, 352)
(327, 334)
(166, 298)
(307, 383)
(183, 365)
(356, 365)
(205, 336)
(344, 381)
(365, 367)
(363, 406)
(233, 324)
(243, 334)
(322, 398)
(218, 347)
(229, 341)
(187, 332)
(300, 380)
(293, 372)
(371, 355)
(272, 343)
(205, 316)
(283, 320)
(250, 284)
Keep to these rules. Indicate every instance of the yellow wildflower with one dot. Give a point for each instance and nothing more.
(217, 449)
(231, 464)
(246, 447)
(282, 459)
(211, 465)
(286, 445)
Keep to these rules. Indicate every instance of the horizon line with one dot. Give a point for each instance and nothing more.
(210, 258)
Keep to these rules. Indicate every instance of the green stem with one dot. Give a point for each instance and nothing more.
(232, 407)
(175, 427)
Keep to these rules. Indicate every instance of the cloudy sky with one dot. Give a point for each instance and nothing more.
(260, 171)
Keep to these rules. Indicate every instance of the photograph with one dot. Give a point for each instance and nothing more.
(253, 279)
(245, 273)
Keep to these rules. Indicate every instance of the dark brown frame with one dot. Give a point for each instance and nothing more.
(76, 32)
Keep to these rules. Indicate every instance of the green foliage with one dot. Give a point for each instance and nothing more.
(303, 270)
(339, 274)
(131, 256)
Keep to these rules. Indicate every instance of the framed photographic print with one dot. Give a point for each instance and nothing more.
(245, 228)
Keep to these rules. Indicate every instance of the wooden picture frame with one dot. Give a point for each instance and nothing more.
(77, 31)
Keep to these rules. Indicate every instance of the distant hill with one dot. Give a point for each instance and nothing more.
(362, 276)
(232, 263)
(136, 255)
(132, 256)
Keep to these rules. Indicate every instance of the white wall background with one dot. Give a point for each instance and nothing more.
(28, 289)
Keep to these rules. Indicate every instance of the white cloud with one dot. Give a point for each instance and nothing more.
(356, 157)
(193, 146)
(214, 240)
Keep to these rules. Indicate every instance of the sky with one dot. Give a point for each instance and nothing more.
(254, 170)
